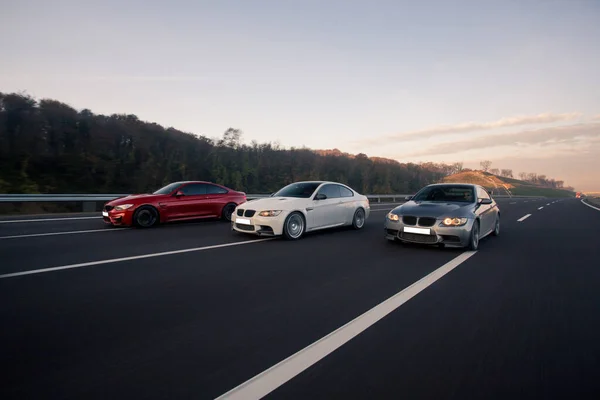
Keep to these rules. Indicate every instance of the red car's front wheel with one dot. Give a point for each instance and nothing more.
(145, 217)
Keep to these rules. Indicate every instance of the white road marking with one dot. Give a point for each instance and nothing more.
(270, 379)
(540, 207)
(524, 218)
(16, 221)
(514, 202)
(548, 204)
(116, 260)
(63, 233)
(591, 206)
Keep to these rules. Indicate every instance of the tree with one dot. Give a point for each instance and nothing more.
(523, 176)
(485, 165)
(457, 167)
(495, 171)
(507, 173)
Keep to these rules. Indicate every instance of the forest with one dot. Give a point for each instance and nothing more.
(49, 147)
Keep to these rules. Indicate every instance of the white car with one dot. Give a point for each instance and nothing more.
(302, 207)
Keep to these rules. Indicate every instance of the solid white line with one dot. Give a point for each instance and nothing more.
(524, 218)
(270, 379)
(540, 207)
(591, 206)
(15, 221)
(115, 260)
(63, 233)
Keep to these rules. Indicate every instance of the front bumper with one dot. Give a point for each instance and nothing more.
(117, 218)
(454, 236)
(257, 225)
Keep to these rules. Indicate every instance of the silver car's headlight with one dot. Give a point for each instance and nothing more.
(123, 207)
(454, 221)
(269, 213)
(393, 217)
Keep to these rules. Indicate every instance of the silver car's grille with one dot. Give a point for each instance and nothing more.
(413, 237)
(427, 221)
(408, 220)
(249, 213)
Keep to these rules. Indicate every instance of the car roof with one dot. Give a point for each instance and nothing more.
(455, 184)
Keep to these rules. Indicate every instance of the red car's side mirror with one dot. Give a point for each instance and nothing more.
(179, 193)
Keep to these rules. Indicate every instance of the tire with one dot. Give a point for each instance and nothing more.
(358, 221)
(497, 226)
(474, 239)
(294, 226)
(228, 211)
(145, 217)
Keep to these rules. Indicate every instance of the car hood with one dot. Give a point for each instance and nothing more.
(275, 203)
(135, 199)
(434, 209)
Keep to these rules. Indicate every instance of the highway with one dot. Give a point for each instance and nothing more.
(193, 310)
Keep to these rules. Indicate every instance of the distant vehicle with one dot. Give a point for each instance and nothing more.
(454, 215)
(302, 207)
(578, 195)
(175, 202)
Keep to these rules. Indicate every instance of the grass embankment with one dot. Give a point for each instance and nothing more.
(501, 185)
(595, 201)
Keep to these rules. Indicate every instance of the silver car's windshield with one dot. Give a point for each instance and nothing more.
(302, 190)
(453, 193)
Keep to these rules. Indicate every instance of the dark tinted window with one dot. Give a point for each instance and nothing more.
(170, 188)
(331, 191)
(483, 194)
(303, 190)
(450, 193)
(194, 189)
(345, 192)
(212, 189)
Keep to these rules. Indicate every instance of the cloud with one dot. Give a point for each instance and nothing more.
(466, 127)
(571, 134)
(596, 118)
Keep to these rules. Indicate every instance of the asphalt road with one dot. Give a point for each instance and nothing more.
(192, 310)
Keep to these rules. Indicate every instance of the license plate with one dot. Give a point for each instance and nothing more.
(420, 231)
(104, 214)
(243, 221)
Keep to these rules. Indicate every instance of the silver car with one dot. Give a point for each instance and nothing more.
(445, 214)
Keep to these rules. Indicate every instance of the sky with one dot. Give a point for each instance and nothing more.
(512, 81)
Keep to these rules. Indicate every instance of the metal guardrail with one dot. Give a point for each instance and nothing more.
(49, 198)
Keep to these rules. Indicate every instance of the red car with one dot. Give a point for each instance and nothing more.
(175, 202)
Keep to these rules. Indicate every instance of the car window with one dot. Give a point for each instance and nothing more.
(194, 189)
(483, 194)
(213, 189)
(331, 191)
(345, 192)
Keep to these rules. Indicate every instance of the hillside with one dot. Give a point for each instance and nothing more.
(504, 186)
(49, 147)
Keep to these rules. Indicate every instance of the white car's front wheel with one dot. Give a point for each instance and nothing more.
(294, 226)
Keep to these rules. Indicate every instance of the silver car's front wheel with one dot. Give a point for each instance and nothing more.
(474, 240)
(497, 226)
(293, 227)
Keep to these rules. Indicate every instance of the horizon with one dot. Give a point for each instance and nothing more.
(392, 80)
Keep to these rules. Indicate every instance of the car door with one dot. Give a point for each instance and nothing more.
(348, 203)
(193, 201)
(486, 211)
(328, 210)
(217, 198)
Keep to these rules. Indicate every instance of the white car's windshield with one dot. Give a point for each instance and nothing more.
(301, 190)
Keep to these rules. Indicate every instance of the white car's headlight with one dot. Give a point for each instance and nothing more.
(393, 217)
(269, 213)
(454, 221)
(123, 207)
